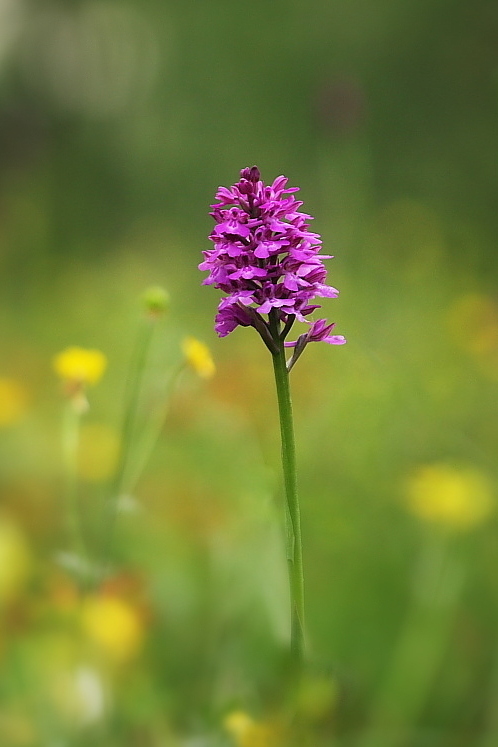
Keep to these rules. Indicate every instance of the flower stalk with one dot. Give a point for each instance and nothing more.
(196, 357)
(70, 443)
(155, 302)
(120, 482)
(132, 395)
(151, 432)
(293, 517)
(77, 368)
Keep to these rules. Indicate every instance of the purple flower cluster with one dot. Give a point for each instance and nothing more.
(266, 260)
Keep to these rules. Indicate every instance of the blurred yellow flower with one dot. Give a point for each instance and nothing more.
(198, 357)
(246, 732)
(14, 560)
(80, 365)
(457, 498)
(473, 323)
(114, 625)
(238, 722)
(98, 452)
(317, 697)
(13, 401)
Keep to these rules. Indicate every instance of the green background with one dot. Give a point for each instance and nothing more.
(118, 121)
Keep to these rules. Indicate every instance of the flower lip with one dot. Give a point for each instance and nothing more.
(319, 332)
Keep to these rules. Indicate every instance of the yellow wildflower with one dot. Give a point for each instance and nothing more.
(198, 357)
(98, 452)
(13, 401)
(80, 365)
(114, 625)
(238, 722)
(247, 732)
(472, 321)
(457, 498)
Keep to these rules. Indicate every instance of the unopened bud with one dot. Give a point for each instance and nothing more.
(155, 300)
(245, 187)
(252, 174)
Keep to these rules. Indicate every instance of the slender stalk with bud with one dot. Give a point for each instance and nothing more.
(155, 304)
(78, 368)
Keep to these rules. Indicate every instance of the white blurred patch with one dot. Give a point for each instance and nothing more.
(97, 59)
(73, 563)
(128, 504)
(79, 694)
(90, 692)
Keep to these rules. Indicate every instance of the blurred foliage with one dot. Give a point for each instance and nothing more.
(118, 120)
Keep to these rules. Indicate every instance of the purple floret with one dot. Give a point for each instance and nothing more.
(319, 332)
(266, 260)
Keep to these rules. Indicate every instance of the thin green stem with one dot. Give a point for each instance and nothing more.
(152, 432)
(70, 443)
(132, 396)
(293, 520)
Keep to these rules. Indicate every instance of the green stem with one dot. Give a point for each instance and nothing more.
(293, 520)
(132, 394)
(152, 432)
(70, 443)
